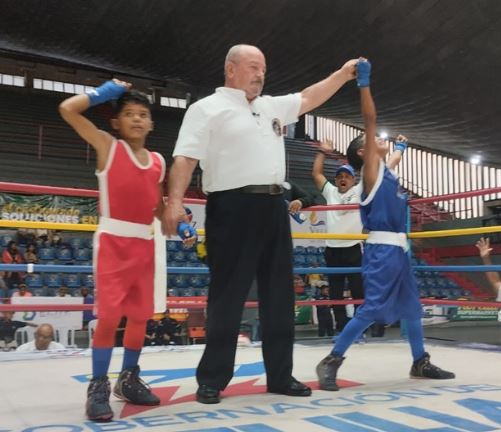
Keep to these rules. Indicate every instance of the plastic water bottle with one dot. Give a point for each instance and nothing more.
(185, 230)
(298, 217)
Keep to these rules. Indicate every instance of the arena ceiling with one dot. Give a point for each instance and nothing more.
(437, 63)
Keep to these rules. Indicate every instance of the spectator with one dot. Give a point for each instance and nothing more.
(341, 253)
(56, 239)
(314, 280)
(297, 198)
(324, 314)
(151, 336)
(22, 291)
(63, 291)
(11, 255)
(8, 329)
(120, 332)
(201, 251)
(4, 289)
(170, 330)
(88, 315)
(298, 284)
(30, 256)
(26, 236)
(44, 341)
(484, 248)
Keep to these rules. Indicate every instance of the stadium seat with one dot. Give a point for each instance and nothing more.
(53, 280)
(299, 260)
(45, 254)
(181, 281)
(34, 280)
(172, 292)
(171, 245)
(88, 280)
(434, 292)
(52, 292)
(196, 281)
(5, 239)
(72, 280)
(82, 254)
(76, 242)
(311, 250)
(40, 292)
(179, 256)
(192, 257)
(299, 250)
(64, 255)
(196, 333)
(171, 280)
(311, 260)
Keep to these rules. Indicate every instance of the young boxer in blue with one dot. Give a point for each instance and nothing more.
(390, 289)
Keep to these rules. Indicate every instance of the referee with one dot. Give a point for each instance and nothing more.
(236, 135)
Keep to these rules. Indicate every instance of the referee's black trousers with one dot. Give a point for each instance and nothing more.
(247, 236)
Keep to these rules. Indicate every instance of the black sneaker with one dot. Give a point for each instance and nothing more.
(327, 372)
(98, 400)
(422, 368)
(129, 387)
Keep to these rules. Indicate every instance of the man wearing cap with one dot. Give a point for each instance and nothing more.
(340, 253)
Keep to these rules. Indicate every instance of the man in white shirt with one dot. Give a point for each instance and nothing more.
(44, 340)
(340, 253)
(237, 135)
(484, 248)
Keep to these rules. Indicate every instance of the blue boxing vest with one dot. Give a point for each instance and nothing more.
(385, 208)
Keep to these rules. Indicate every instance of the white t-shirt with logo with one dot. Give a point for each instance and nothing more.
(346, 221)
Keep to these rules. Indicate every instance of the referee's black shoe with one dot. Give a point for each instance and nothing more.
(98, 400)
(293, 388)
(208, 395)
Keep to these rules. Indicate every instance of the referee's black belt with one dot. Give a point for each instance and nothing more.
(272, 189)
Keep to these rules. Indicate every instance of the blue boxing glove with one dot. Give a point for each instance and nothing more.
(401, 145)
(363, 73)
(108, 91)
(185, 230)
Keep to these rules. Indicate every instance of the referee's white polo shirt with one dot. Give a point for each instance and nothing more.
(237, 143)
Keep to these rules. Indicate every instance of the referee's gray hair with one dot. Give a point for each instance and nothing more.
(234, 53)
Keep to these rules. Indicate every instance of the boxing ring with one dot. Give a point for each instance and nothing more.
(45, 391)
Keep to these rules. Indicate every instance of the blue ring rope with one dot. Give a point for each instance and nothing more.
(51, 268)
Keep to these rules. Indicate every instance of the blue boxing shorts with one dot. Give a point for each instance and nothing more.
(390, 288)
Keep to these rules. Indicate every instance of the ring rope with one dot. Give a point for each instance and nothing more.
(201, 303)
(311, 236)
(54, 190)
(53, 268)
